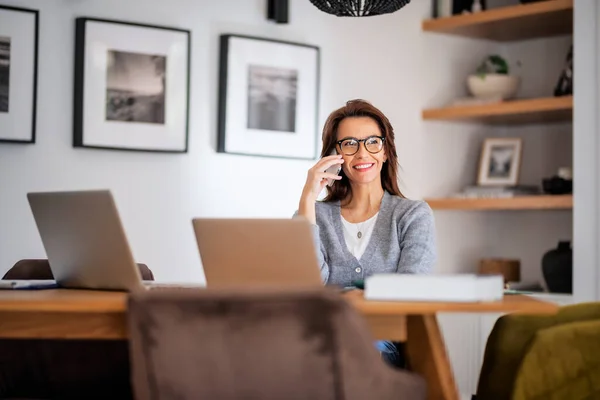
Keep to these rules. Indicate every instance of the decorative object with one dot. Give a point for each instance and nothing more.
(562, 183)
(492, 80)
(510, 269)
(359, 8)
(278, 11)
(564, 87)
(500, 161)
(493, 86)
(557, 268)
(131, 86)
(18, 74)
(268, 97)
(467, 6)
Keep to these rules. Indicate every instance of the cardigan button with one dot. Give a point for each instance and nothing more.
(358, 270)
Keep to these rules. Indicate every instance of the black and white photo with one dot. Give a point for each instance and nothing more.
(132, 85)
(135, 89)
(272, 98)
(501, 158)
(500, 161)
(4, 73)
(268, 97)
(19, 33)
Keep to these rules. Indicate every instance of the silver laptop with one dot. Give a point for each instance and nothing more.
(84, 240)
(263, 252)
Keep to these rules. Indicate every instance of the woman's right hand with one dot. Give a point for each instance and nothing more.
(315, 182)
(317, 177)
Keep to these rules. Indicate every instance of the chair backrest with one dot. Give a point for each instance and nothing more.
(512, 339)
(269, 344)
(40, 269)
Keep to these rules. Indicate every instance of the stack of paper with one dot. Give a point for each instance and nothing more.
(442, 287)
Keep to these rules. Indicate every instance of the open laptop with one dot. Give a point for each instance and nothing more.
(242, 252)
(84, 240)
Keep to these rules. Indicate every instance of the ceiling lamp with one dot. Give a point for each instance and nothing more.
(359, 8)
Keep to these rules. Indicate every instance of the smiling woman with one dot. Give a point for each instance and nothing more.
(365, 225)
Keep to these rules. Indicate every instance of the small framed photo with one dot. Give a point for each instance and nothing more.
(18, 74)
(500, 162)
(268, 97)
(131, 86)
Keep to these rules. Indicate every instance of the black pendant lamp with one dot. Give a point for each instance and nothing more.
(359, 8)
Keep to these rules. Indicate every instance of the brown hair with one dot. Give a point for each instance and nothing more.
(341, 189)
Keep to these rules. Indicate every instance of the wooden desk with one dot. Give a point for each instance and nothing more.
(81, 314)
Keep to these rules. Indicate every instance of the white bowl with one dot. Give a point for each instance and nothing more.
(493, 86)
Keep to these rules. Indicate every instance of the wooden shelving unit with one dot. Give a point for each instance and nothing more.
(502, 27)
(520, 22)
(540, 202)
(550, 109)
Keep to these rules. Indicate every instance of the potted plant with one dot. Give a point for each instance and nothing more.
(492, 80)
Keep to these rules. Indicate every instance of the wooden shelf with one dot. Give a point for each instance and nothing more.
(528, 111)
(540, 202)
(524, 21)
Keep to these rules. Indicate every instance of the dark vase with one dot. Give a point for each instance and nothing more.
(557, 268)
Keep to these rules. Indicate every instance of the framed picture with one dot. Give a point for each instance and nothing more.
(268, 97)
(500, 162)
(131, 86)
(18, 74)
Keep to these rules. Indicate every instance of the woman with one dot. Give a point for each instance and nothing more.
(365, 225)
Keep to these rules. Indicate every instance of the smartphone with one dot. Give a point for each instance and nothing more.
(334, 169)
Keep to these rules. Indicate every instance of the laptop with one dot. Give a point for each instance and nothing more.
(84, 240)
(257, 252)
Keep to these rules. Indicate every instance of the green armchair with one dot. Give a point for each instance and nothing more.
(531, 357)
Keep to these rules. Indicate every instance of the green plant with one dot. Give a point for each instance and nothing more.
(493, 64)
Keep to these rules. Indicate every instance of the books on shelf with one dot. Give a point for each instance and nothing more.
(478, 192)
(440, 287)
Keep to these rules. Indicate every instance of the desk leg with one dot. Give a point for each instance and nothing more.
(427, 356)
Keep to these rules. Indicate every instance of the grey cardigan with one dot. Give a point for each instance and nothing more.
(403, 241)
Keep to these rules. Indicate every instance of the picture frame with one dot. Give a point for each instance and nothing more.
(131, 86)
(500, 162)
(19, 37)
(268, 97)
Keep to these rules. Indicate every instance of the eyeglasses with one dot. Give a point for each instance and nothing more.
(350, 146)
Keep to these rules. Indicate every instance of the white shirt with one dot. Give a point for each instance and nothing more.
(357, 245)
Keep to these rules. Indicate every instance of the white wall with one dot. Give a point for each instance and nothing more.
(386, 60)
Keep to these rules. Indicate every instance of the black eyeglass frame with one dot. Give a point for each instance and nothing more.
(339, 143)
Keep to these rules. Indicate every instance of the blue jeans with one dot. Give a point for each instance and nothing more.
(390, 353)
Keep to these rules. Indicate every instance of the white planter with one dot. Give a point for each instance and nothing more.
(493, 86)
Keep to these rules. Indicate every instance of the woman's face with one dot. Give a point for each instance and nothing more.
(364, 166)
